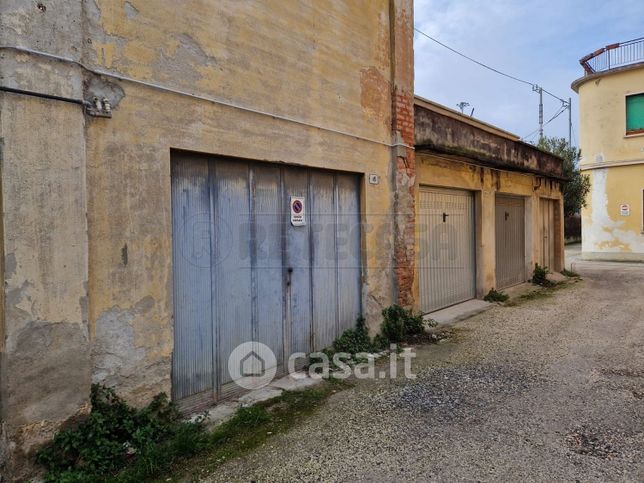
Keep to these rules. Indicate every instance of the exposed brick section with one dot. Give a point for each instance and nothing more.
(404, 202)
(403, 159)
(403, 118)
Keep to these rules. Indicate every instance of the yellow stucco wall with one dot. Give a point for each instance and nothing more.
(606, 232)
(602, 118)
(88, 242)
(44, 354)
(485, 183)
(325, 63)
(614, 162)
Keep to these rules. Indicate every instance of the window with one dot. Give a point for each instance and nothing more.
(635, 114)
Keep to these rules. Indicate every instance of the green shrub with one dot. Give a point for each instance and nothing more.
(494, 296)
(380, 342)
(354, 340)
(399, 323)
(114, 434)
(540, 276)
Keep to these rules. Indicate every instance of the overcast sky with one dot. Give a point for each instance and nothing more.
(539, 41)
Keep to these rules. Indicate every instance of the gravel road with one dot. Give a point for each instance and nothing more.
(551, 389)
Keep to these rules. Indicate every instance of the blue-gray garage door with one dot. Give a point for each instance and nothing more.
(243, 271)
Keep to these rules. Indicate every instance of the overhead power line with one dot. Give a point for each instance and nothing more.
(565, 104)
(559, 113)
(533, 84)
(473, 60)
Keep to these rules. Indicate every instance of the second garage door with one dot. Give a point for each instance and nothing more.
(510, 241)
(446, 258)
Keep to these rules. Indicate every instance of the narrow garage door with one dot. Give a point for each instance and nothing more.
(244, 272)
(446, 259)
(549, 219)
(510, 241)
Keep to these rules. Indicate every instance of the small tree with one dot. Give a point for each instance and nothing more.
(577, 188)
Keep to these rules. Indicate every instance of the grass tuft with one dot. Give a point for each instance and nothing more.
(569, 273)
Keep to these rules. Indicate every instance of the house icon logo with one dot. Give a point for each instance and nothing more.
(252, 365)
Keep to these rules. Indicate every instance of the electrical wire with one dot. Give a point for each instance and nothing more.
(202, 97)
(487, 66)
(474, 60)
(559, 113)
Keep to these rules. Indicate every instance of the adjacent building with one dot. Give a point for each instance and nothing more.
(489, 207)
(611, 113)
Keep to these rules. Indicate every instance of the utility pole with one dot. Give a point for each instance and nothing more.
(570, 122)
(538, 89)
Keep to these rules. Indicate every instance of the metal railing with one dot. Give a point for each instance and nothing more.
(614, 55)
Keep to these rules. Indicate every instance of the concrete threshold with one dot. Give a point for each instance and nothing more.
(458, 312)
(224, 411)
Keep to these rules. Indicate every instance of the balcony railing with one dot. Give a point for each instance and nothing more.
(614, 55)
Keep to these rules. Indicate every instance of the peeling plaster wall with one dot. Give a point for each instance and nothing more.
(443, 133)
(45, 363)
(326, 63)
(87, 200)
(44, 353)
(606, 233)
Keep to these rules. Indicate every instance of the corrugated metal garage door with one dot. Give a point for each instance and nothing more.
(510, 241)
(446, 259)
(243, 272)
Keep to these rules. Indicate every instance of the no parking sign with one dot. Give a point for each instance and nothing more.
(297, 211)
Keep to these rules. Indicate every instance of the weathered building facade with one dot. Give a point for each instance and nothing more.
(611, 138)
(151, 154)
(488, 208)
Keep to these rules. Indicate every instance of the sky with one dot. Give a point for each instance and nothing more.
(538, 41)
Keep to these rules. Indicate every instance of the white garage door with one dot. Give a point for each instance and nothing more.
(446, 258)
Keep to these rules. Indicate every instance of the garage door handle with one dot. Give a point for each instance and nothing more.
(445, 215)
(288, 276)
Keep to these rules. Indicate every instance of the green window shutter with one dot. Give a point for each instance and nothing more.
(635, 112)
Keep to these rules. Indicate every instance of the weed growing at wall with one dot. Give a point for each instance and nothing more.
(399, 324)
(120, 443)
(250, 428)
(569, 273)
(540, 276)
(354, 340)
(495, 296)
(114, 434)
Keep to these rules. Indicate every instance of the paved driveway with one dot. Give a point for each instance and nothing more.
(552, 389)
